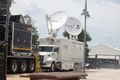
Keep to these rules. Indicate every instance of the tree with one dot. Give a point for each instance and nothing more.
(81, 38)
(35, 36)
(3, 6)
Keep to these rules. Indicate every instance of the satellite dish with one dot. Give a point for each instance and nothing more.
(58, 19)
(73, 26)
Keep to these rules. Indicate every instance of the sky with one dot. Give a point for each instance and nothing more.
(103, 25)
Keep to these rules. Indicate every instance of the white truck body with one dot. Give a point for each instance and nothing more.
(65, 53)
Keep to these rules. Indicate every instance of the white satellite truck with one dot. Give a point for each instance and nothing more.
(60, 53)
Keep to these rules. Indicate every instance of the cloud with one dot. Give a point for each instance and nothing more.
(115, 1)
(103, 25)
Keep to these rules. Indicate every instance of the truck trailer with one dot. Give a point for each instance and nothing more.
(19, 57)
(60, 53)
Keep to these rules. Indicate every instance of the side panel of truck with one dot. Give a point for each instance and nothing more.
(21, 38)
(72, 52)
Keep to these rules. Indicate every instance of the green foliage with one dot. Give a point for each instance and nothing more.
(35, 36)
(35, 41)
(3, 6)
(2, 3)
(81, 38)
(87, 51)
(66, 34)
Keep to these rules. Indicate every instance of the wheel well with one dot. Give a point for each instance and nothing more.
(53, 62)
(20, 59)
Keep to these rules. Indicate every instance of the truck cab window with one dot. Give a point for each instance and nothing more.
(46, 49)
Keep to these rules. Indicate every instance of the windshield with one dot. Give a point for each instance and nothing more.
(46, 48)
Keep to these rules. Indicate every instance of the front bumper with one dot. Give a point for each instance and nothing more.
(45, 65)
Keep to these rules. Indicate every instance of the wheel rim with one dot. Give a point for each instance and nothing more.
(32, 66)
(14, 67)
(23, 67)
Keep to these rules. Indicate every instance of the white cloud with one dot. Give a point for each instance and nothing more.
(104, 23)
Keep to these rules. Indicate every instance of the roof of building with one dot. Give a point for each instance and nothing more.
(104, 50)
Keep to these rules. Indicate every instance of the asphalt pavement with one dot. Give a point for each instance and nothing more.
(93, 74)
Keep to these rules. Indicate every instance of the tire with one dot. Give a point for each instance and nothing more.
(13, 66)
(31, 66)
(52, 67)
(75, 67)
(23, 66)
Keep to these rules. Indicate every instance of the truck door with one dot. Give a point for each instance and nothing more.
(56, 53)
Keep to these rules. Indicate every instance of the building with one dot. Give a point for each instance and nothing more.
(106, 56)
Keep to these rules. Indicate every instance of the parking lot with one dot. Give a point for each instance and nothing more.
(103, 74)
(93, 74)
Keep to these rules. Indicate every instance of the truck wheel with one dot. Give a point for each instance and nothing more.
(52, 67)
(23, 66)
(13, 66)
(31, 66)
